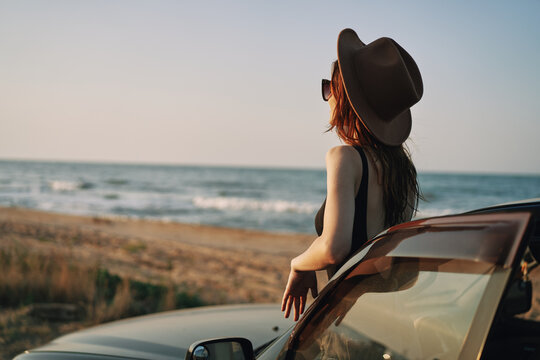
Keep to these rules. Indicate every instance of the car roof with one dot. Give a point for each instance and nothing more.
(520, 204)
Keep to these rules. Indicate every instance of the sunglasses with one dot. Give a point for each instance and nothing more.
(326, 89)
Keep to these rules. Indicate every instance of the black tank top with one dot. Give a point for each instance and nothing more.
(359, 233)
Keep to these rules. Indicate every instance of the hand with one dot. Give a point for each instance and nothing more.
(296, 292)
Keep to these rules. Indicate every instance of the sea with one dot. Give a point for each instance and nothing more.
(269, 199)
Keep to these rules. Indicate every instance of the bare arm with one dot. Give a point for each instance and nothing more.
(335, 242)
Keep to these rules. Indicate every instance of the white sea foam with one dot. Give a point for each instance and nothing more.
(59, 185)
(46, 205)
(236, 203)
(63, 185)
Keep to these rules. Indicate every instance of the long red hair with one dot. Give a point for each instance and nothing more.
(399, 179)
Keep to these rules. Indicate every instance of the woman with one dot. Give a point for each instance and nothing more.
(371, 181)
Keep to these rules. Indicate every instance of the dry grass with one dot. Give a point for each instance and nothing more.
(109, 268)
(45, 295)
(33, 277)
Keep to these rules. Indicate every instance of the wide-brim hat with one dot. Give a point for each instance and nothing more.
(382, 82)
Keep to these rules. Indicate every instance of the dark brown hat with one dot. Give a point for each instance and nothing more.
(382, 82)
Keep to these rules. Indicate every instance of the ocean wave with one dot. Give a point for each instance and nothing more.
(111, 196)
(64, 186)
(223, 183)
(117, 181)
(235, 203)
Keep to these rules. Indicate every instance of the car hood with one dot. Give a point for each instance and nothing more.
(167, 335)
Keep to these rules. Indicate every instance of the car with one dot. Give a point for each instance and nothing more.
(450, 287)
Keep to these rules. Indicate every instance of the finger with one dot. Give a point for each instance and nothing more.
(302, 304)
(296, 308)
(288, 307)
(284, 300)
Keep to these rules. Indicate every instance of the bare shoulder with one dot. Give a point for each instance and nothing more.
(341, 153)
(343, 160)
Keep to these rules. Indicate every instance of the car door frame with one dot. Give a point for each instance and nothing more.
(490, 303)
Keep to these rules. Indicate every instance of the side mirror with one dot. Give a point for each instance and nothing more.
(221, 349)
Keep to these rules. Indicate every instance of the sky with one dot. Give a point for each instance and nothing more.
(238, 82)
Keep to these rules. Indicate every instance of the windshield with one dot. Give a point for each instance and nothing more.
(397, 308)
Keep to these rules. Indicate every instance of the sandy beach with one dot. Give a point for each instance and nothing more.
(223, 265)
(218, 265)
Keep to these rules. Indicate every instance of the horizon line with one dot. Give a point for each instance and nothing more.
(249, 166)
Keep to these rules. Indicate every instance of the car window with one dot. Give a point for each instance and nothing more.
(397, 308)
